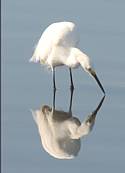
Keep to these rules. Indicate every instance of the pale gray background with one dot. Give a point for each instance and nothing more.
(25, 85)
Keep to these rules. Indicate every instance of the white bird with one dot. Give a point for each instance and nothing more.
(58, 46)
(60, 132)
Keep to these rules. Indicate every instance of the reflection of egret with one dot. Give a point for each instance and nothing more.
(60, 132)
(57, 46)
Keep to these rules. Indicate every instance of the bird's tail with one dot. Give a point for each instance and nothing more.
(34, 114)
(31, 59)
(34, 59)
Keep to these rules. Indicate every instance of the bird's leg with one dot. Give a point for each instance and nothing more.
(71, 86)
(54, 83)
(71, 98)
(54, 96)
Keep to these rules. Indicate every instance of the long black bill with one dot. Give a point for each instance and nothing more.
(97, 80)
(99, 83)
(99, 106)
(94, 113)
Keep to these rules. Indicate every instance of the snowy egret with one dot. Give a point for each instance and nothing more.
(60, 132)
(58, 46)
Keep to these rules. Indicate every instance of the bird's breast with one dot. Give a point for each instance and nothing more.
(72, 62)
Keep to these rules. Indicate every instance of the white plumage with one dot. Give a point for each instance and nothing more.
(60, 131)
(58, 46)
(55, 44)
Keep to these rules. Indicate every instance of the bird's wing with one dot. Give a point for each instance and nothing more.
(62, 34)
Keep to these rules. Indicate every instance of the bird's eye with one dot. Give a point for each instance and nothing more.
(88, 121)
(89, 69)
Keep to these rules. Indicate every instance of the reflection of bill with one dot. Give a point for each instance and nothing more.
(60, 132)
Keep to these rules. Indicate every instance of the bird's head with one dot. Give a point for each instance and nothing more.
(84, 60)
(90, 121)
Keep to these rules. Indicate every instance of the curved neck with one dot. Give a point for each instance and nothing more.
(81, 57)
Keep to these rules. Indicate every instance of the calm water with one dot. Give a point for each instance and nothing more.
(27, 86)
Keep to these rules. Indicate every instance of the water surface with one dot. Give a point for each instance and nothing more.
(28, 86)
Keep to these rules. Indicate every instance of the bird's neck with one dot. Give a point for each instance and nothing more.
(81, 57)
